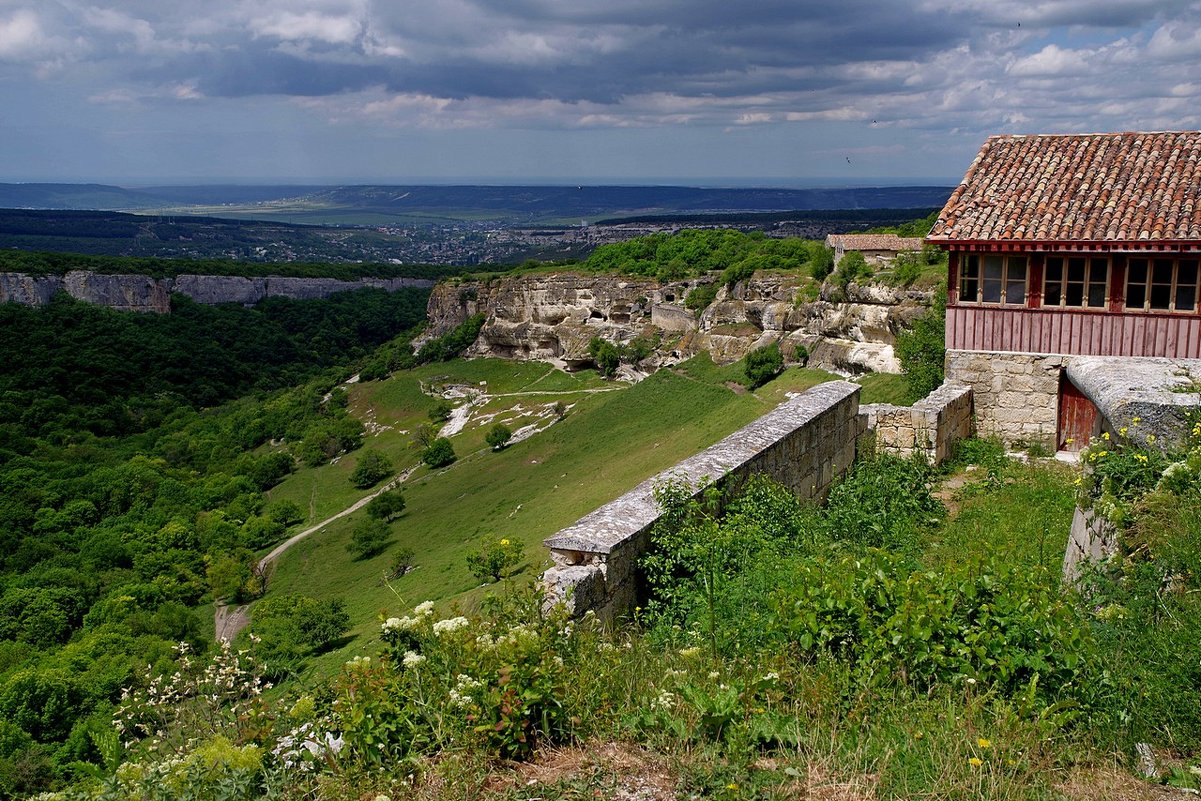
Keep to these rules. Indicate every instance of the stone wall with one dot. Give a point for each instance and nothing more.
(804, 444)
(930, 427)
(1015, 395)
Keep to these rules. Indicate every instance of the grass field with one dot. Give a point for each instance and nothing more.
(612, 437)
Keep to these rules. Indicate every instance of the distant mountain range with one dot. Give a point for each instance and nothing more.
(512, 205)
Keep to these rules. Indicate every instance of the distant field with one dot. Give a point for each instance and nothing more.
(608, 442)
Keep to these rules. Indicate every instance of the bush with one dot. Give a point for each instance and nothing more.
(386, 506)
(699, 299)
(605, 355)
(372, 468)
(852, 267)
(440, 412)
(440, 453)
(763, 364)
(922, 349)
(402, 562)
(821, 262)
(498, 436)
(368, 538)
(496, 560)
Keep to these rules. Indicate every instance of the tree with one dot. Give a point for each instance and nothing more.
(922, 349)
(372, 468)
(560, 410)
(424, 436)
(498, 436)
(763, 364)
(292, 626)
(234, 576)
(852, 266)
(440, 412)
(386, 506)
(440, 453)
(402, 562)
(606, 356)
(369, 538)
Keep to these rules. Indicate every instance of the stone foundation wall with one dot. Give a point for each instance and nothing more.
(805, 443)
(1015, 395)
(930, 427)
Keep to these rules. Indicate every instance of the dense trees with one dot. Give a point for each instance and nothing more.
(763, 364)
(693, 252)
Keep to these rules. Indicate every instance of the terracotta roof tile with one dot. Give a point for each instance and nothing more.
(874, 242)
(1078, 188)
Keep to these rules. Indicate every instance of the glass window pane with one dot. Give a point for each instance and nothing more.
(1075, 295)
(1161, 296)
(1136, 297)
(1161, 271)
(967, 289)
(1052, 296)
(1096, 295)
(1076, 269)
(993, 267)
(1186, 285)
(991, 291)
(1054, 269)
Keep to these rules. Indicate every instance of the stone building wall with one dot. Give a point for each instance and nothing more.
(805, 443)
(1016, 395)
(931, 426)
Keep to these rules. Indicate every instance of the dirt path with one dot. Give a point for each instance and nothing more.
(229, 620)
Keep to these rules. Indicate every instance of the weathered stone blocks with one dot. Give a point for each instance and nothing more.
(805, 443)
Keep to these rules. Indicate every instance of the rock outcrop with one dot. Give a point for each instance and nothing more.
(142, 293)
(553, 317)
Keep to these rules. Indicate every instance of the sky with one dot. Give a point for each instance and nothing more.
(761, 92)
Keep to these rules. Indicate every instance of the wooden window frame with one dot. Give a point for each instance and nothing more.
(1146, 286)
(1091, 262)
(975, 261)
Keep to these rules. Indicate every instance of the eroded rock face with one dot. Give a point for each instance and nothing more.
(142, 293)
(554, 316)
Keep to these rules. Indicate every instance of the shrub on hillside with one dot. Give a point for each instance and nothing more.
(386, 506)
(498, 436)
(372, 468)
(440, 453)
(495, 560)
(922, 349)
(368, 538)
(606, 356)
(763, 364)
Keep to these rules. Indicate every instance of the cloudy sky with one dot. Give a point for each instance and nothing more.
(689, 91)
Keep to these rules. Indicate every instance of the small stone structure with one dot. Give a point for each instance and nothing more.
(930, 427)
(1016, 395)
(805, 443)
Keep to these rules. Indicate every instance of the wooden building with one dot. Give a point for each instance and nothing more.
(1071, 245)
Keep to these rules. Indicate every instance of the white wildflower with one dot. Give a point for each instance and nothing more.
(424, 609)
(412, 659)
(450, 624)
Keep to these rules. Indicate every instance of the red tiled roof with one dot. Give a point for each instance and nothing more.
(874, 242)
(1121, 187)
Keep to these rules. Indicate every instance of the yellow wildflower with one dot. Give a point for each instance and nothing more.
(1105, 436)
(504, 543)
(1123, 430)
(983, 742)
(975, 762)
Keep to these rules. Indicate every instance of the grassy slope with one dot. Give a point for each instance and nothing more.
(608, 442)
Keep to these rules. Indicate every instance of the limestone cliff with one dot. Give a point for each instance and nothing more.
(142, 293)
(553, 317)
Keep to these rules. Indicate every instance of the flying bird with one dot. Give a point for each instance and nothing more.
(848, 159)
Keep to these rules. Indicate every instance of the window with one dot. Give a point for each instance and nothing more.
(993, 278)
(1076, 281)
(1161, 284)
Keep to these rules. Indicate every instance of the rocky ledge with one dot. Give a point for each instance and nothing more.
(553, 317)
(145, 294)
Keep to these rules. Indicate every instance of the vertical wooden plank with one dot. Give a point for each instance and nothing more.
(1034, 291)
(1138, 340)
(1097, 323)
(1117, 283)
(953, 278)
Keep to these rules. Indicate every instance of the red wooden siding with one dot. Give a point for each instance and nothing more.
(1073, 333)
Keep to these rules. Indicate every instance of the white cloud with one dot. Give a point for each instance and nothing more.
(1051, 61)
(310, 25)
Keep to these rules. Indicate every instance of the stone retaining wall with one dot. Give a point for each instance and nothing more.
(805, 443)
(1016, 395)
(930, 427)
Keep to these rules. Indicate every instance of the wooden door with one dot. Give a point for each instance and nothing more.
(1077, 417)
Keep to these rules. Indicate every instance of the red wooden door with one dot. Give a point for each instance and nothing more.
(1077, 417)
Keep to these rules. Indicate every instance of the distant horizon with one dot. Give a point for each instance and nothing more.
(818, 182)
